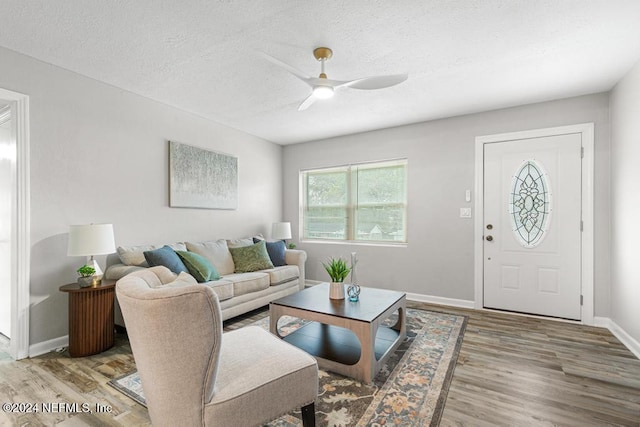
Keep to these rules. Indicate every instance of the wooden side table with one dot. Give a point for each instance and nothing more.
(91, 322)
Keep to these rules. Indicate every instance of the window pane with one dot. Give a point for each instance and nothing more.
(381, 198)
(326, 223)
(381, 185)
(327, 189)
(325, 216)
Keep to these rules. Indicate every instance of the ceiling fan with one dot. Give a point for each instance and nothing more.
(324, 88)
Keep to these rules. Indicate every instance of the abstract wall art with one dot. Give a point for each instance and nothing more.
(200, 178)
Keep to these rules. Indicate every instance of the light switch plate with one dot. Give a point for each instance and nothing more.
(465, 212)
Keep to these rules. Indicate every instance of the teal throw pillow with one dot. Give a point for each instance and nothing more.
(198, 266)
(251, 258)
(167, 257)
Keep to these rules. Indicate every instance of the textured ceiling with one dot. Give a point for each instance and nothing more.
(461, 56)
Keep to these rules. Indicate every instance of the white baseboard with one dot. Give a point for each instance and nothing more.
(47, 346)
(631, 343)
(440, 300)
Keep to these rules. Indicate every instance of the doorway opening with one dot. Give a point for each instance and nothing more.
(15, 219)
(7, 166)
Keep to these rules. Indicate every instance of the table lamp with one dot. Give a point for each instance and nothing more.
(281, 231)
(90, 240)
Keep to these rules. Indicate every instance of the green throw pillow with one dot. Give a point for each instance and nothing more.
(199, 267)
(251, 258)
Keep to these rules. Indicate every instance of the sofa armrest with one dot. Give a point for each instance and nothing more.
(297, 257)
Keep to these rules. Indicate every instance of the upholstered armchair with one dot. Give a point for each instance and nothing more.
(194, 374)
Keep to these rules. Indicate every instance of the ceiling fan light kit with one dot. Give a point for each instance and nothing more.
(322, 92)
(324, 88)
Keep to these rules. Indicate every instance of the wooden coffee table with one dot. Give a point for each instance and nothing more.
(345, 337)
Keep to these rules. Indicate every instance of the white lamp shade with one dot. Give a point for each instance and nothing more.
(281, 230)
(91, 239)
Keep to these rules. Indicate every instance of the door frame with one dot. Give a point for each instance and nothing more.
(587, 247)
(21, 227)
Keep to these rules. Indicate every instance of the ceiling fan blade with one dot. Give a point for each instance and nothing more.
(299, 74)
(378, 82)
(307, 102)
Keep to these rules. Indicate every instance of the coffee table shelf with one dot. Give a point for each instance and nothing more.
(339, 344)
(350, 338)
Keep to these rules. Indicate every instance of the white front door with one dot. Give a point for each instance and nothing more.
(532, 225)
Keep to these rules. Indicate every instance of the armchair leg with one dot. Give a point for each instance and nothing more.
(309, 415)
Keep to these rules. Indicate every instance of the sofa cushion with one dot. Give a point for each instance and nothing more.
(217, 252)
(167, 257)
(198, 266)
(279, 275)
(275, 250)
(134, 255)
(239, 243)
(248, 282)
(251, 258)
(222, 288)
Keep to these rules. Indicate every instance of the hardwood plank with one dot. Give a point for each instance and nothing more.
(512, 371)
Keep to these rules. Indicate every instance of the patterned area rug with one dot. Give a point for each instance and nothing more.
(410, 389)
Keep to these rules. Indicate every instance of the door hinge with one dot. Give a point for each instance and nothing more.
(582, 152)
(581, 225)
(581, 300)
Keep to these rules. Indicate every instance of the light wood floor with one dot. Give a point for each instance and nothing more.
(511, 371)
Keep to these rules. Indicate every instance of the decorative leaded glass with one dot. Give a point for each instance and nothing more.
(530, 204)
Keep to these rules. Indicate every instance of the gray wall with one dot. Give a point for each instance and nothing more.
(625, 203)
(99, 154)
(438, 261)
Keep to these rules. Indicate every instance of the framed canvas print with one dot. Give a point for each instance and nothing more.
(200, 178)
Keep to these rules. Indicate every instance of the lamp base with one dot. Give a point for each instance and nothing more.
(97, 276)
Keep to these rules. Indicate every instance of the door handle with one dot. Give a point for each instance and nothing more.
(489, 238)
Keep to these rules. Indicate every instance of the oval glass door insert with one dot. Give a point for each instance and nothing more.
(530, 204)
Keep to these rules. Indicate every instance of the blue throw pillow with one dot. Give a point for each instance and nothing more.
(275, 251)
(167, 257)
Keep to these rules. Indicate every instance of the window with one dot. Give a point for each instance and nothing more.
(530, 204)
(364, 202)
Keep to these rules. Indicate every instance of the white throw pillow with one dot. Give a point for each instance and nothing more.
(134, 255)
(240, 243)
(217, 253)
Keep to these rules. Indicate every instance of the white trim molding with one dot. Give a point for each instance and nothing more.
(587, 276)
(632, 344)
(21, 231)
(431, 299)
(46, 346)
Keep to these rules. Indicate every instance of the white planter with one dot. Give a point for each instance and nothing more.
(336, 290)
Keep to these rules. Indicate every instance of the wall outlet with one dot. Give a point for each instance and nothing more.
(465, 212)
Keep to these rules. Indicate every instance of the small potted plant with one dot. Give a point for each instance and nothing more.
(338, 271)
(86, 276)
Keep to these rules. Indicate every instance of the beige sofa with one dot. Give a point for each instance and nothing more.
(238, 293)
